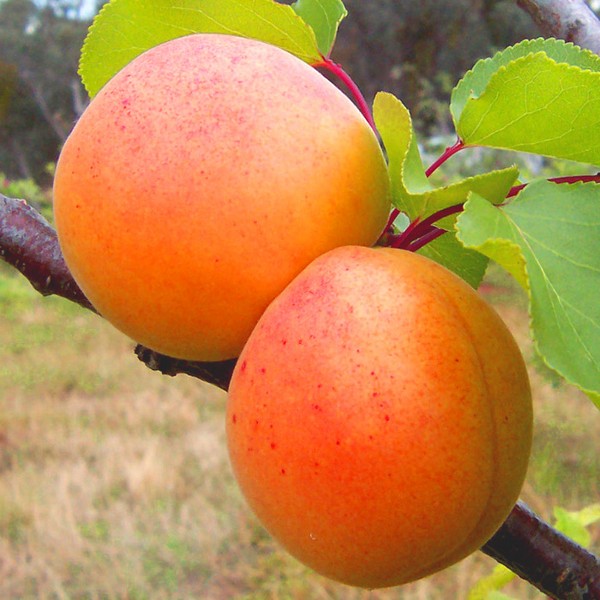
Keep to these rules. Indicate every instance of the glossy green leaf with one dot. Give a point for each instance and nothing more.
(324, 16)
(396, 130)
(535, 104)
(548, 237)
(125, 28)
(412, 191)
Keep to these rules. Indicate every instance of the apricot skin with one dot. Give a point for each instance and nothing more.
(201, 179)
(379, 418)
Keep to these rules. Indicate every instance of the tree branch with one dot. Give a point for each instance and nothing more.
(216, 373)
(538, 553)
(570, 20)
(29, 243)
(531, 548)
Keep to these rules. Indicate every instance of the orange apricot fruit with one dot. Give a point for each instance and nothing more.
(379, 418)
(201, 179)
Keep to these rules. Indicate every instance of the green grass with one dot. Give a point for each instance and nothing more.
(115, 482)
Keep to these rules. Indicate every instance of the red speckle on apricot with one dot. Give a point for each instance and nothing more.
(391, 504)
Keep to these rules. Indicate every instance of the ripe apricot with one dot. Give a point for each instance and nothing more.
(379, 418)
(201, 179)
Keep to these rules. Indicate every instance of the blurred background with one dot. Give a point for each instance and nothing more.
(415, 50)
(114, 480)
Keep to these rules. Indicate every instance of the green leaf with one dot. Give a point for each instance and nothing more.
(405, 165)
(412, 191)
(574, 524)
(324, 16)
(449, 252)
(548, 237)
(474, 82)
(568, 524)
(125, 28)
(589, 515)
(413, 194)
(535, 104)
(495, 581)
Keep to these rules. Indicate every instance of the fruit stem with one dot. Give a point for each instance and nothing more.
(401, 239)
(337, 70)
(440, 214)
(421, 232)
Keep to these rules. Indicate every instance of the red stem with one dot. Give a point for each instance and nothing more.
(403, 239)
(425, 224)
(568, 179)
(337, 70)
(419, 233)
(433, 234)
(448, 152)
(393, 216)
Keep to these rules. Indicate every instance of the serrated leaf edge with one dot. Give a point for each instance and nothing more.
(110, 6)
(525, 284)
(495, 57)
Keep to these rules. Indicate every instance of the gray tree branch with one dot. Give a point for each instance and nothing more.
(570, 20)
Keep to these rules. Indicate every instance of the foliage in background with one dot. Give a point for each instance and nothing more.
(28, 189)
(418, 50)
(40, 43)
(415, 50)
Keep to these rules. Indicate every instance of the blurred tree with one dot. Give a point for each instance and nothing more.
(41, 43)
(418, 50)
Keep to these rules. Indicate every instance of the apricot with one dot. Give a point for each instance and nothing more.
(379, 418)
(201, 179)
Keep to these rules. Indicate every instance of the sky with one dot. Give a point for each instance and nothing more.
(89, 8)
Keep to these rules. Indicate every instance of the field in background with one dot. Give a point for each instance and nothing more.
(115, 483)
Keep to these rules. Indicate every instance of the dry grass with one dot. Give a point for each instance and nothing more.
(115, 483)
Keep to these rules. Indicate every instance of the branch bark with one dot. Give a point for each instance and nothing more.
(528, 546)
(29, 243)
(538, 553)
(570, 20)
